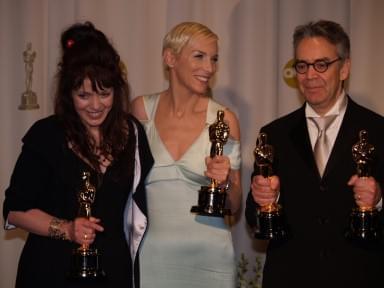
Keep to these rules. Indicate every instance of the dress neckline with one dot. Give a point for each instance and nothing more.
(196, 140)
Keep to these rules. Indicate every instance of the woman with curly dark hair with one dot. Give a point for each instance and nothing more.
(91, 133)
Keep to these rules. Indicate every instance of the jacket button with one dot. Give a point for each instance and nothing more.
(323, 254)
(323, 188)
(323, 220)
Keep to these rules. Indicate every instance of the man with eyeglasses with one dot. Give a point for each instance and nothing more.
(317, 196)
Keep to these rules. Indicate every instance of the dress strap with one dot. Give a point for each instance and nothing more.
(150, 104)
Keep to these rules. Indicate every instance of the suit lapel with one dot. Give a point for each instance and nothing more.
(302, 143)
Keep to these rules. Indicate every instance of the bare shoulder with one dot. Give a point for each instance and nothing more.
(138, 109)
(233, 122)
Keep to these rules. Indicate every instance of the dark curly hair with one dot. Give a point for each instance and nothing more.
(87, 53)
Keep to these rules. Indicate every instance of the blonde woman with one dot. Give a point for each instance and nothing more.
(182, 249)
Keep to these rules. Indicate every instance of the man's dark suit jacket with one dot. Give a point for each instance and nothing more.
(317, 209)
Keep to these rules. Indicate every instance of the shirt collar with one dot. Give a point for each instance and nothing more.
(336, 109)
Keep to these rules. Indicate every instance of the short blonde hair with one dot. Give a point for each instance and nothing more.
(181, 34)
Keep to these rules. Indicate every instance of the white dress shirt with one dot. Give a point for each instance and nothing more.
(332, 131)
(337, 109)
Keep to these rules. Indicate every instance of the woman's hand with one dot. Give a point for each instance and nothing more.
(83, 230)
(218, 168)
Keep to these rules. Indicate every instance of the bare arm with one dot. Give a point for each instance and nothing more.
(235, 192)
(233, 122)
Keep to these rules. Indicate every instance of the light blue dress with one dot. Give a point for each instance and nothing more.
(182, 249)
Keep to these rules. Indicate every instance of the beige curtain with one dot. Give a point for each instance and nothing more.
(255, 47)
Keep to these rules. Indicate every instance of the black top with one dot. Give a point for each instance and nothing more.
(47, 176)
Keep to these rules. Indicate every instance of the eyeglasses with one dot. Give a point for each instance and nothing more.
(320, 66)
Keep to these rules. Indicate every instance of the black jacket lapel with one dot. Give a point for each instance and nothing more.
(302, 143)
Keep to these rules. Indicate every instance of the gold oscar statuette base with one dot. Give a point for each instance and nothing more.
(211, 202)
(28, 101)
(270, 223)
(364, 225)
(86, 265)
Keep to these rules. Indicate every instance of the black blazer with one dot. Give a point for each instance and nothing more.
(317, 209)
(47, 177)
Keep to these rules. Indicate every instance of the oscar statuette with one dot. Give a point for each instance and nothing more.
(364, 223)
(85, 263)
(270, 220)
(211, 201)
(28, 98)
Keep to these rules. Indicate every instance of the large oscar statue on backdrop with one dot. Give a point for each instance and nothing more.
(270, 220)
(364, 221)
(212, 198)
(85, 259)
(28, 98)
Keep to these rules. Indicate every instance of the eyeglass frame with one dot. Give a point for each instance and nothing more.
(313, 64)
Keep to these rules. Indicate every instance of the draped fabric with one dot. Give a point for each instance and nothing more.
(254, 78)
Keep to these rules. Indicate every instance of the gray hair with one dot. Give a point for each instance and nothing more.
(331, 31)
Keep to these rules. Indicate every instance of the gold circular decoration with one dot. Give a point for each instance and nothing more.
(289, 74)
